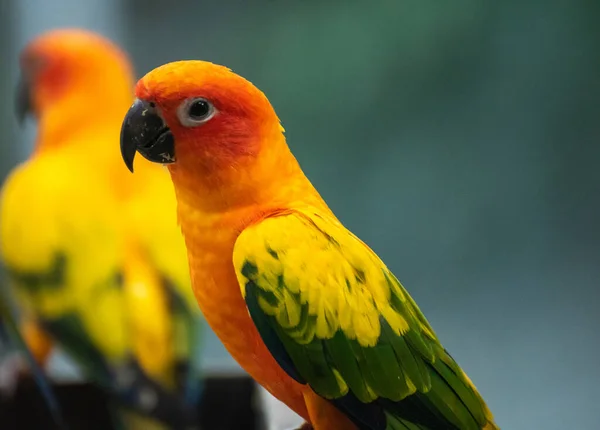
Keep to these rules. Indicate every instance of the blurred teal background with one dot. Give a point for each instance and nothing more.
(459, 139)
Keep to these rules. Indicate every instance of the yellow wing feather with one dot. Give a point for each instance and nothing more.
(56, 215)
(318, 265)
(154, 224)
(149, 318)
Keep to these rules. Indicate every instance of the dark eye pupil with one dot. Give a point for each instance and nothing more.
(199, 109)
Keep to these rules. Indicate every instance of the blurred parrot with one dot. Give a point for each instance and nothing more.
(118, 299)
(306, 307)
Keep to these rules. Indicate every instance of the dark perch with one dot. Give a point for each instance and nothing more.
(228, 404)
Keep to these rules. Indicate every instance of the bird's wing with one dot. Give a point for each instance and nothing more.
(61, 251)
(159, 239)
(334, 317)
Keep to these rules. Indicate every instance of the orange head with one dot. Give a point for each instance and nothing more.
(71, 77)
(204, 120)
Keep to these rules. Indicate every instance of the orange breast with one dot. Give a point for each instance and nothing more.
(210, 250)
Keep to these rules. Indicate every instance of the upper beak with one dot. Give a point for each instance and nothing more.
(23, 102)
(145, 131)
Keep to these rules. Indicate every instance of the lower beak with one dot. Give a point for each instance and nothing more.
(145, 131)
(23, 103)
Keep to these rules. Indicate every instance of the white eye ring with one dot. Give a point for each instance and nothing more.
(195, 112)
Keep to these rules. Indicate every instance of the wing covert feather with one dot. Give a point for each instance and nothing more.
(328, 307)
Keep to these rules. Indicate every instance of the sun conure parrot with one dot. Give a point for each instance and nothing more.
(306, 307)
(118, 299)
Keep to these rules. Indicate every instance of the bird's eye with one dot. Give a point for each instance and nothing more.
(194, 112)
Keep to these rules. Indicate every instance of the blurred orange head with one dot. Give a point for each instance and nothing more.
(75, 77)
(201, 117)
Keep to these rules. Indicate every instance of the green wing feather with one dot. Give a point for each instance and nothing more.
(330, 311)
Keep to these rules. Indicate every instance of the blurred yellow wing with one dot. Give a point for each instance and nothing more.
(149, 319)
(60, 244)
(157, 244)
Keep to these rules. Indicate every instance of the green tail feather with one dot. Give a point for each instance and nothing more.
(394, 423)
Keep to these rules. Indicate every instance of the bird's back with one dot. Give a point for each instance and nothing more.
(157, 252)
(62, 249)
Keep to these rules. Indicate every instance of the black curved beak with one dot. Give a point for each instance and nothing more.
(144, 131)
(23, 102)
